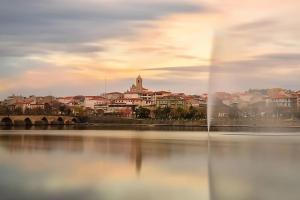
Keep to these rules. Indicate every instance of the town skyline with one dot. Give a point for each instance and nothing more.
(138, 101)
(106, 90)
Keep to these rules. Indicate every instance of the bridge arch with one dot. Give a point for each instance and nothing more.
(74, 120)
(45, 121)
(28, 122)
(7, 121)
(60, 121)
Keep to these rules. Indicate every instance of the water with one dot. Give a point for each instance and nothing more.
(103, 165)
(111, 164)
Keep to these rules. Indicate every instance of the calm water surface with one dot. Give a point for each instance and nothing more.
(70, 164)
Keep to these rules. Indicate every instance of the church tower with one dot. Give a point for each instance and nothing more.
(139, 84)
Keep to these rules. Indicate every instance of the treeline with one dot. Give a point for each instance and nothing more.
(179, 113)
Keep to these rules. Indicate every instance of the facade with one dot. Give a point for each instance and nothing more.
(138, 86)
(28, 104)
(171, 101)
(131, 95)
(65, 100)
(286, 101)
(12, 100)
(91, 101)
(124, 110)
(113, 95)
(298, 101)
(195, 101)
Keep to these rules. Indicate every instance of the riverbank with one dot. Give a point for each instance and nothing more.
(172, 125)
(157, 127)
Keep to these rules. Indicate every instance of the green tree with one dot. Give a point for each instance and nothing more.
(47, 109)
(178, 113)
(163, 113)
(27, 111)
(142, 113)
(2, 110)
(192, 113)
(18, 111)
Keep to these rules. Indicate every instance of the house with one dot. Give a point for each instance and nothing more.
(28, 104)
(284, 100)
(131, 95)
(91, 101)
(123, 110)
(112, 95)
(171, 101)
(129, 101)
(65, 100)
(298, 101)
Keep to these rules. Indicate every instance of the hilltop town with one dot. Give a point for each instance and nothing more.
(142, 103)
(136, 102)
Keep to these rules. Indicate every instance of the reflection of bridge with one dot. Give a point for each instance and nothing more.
(29, 120)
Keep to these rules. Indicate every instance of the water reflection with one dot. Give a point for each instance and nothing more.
(102, 165)
(254, 167)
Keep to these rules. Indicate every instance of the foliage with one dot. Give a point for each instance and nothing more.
(142, 113)
(180, 113)
(4, 110)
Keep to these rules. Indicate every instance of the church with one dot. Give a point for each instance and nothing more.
(138, 86)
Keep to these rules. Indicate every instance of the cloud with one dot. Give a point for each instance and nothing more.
(68, 38)
(39, 22)
(262, 71)
(181, 69)
(59, 30)
(266, 70)
(261, 24)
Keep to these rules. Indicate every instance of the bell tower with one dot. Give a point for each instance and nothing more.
(139, 84)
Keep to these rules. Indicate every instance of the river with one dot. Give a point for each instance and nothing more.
(136, 165)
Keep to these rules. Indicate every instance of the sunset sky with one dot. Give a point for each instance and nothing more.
(69, 47)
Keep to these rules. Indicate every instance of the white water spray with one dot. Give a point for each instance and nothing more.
(210, 100)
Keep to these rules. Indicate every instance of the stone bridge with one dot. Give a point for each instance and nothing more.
(29, 120)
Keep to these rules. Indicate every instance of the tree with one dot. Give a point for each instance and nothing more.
(2, 110)
(27, 111)
(47, 109)
(163, 113)
(142, 113)
(178, 113)
(192, 113)
(63, 109)
(18, 111)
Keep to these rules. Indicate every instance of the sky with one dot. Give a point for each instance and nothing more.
(71, 47)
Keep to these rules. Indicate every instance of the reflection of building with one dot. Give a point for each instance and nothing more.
(137, 154)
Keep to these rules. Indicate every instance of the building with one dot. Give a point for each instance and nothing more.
(298, 101)
(28, 104)
(123, 110)
(91, 101)
(284, 100)
(65, 100)
(131, 95)
(138, 86)
(195, 101)
(12, 100)
(113, 95)
(171, 101)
